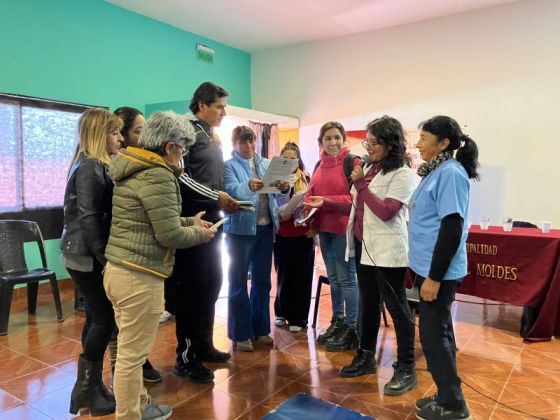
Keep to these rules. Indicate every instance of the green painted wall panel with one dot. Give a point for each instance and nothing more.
(92, 52)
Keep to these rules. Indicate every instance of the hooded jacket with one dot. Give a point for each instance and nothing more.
(146, 226)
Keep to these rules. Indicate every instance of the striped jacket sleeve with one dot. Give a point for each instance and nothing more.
(198, 188)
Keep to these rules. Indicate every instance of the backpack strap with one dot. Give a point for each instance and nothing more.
(315, 167)
(347, 167)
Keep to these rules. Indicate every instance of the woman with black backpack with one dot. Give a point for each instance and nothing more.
(329, 193)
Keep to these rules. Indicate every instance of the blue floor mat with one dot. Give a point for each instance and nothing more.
(305, 407)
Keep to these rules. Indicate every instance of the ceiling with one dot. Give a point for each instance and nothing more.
(253, 25)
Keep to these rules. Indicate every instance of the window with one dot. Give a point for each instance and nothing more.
(37, 142)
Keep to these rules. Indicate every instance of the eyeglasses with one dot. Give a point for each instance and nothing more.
(178, 146)
(369, 145)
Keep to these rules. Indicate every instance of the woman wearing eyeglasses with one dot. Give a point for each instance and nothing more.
(377, 236)
(145, 231)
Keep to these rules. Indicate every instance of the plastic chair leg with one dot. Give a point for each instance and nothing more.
(384, 313)
(6, 293)
(317, 297)
(32, 289)
(56, 295)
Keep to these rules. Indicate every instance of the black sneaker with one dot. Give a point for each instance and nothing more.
(150, 374)
(187, 366)
(334, 328)
(214, 356)
(362, 364)
(434, 411)
(345, 339)
(403, 380)
(422, 402)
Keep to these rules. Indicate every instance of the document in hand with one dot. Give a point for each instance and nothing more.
(285, 203)
(246, 205)
(302, 221)
(279, 170)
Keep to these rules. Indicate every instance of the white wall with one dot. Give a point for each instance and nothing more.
(496, 70)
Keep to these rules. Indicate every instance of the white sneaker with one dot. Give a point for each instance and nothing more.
(295, 328)
(155, 411)
(245, 345)
(165, 316)
(264, 339)
(280, 322)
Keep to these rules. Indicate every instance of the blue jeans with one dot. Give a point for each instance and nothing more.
(342, 277)
(249, 316)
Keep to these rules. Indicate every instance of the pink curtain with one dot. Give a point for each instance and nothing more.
(274, 141)
(258, 129)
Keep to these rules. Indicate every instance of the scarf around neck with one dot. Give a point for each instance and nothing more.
(300, 183)
(427, 167)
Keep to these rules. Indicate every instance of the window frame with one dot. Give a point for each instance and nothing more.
(50, 218)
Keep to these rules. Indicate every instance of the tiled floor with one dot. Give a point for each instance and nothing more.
(38, 366)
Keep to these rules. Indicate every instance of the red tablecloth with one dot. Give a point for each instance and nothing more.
(521, 267)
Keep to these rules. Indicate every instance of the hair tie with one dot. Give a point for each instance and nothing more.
(464, 138)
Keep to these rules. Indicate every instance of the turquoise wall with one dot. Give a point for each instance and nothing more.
(180, 107)
(92, 52)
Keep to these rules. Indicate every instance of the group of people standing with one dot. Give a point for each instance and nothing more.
(368, 246)
(140, 206)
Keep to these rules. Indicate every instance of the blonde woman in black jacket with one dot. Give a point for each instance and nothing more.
(87, 221)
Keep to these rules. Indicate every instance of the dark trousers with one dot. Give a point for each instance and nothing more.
(294, 258)
(100, 318)
(196, 282)
(438, 344)
(378, 285)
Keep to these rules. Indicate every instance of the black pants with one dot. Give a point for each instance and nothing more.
(378, 285)
(197, 280)
(438, 344)
(100, 318)
(294, 258)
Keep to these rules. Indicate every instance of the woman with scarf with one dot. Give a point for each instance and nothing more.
(294, 255)
(438, 254)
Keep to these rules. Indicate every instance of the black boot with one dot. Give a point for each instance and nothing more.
(403, 380)
(334, 328)
(362, 364)
(90, 392)
(190, 367)
(345, 339)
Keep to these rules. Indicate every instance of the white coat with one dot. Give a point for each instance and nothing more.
(385, 244)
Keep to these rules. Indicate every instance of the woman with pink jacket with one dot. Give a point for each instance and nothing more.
(329, 193)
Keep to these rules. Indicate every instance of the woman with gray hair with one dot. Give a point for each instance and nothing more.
(145, 231)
